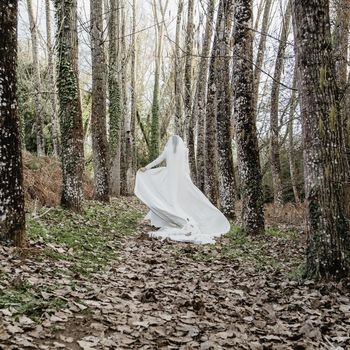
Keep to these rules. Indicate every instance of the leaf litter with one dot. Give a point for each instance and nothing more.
(239, 294)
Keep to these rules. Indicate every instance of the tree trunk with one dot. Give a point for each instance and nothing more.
(211, 142)
(261, 51)
(202, 83)
(291, 151)
(155, 123)
(274, 127)
(40, 142)
(178, 74)
(245, 127)
(114, 98)
(125, 124)
(98, 109)
(341, 48)
(70, 106)
(325, 167)
(51, 81)
(133, 168)
(190, 122)
(12, 214)
(224, 109)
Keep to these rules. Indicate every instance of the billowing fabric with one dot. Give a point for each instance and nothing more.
(177, 207)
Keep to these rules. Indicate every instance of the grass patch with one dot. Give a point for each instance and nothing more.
(74, 244)
(278, 233)
(26, 301)
(88, 240)
(264, 253)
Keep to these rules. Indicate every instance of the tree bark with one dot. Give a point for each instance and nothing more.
(70, 106)
(40, 142)
(224, 109)
(245, 127)
(125, 122)
(133, 168)
(291, 150)
(341, 48)
(190, 122)
(98, 109)
(114, 93)
(155, 123)
(274, 124)
(51, 81)
(211, 142)
(12, 214)
(178, 74)
(202, 83)
(261, 51)
(325, 168)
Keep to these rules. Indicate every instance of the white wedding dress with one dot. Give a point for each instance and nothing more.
(177, 207)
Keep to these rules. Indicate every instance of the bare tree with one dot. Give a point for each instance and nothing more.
(12, 215)
(178, 74)
(291, 151)
(155, 123)
(224, 109)
(261, 49)
(51, 81)
(70, 107)
(125, 122)
(189, 120)
(325, 168)
(245, 127)
(114, 92)
(274, 125)
(132, 142)
(199, 112)
(211, 142)
(98, 111)
(40, 142)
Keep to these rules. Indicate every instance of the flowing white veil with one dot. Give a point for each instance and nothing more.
(177, 206)
(177, 169)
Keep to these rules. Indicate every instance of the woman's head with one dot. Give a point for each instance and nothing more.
(175, 141)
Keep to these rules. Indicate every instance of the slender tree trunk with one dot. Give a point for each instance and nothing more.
(291, 150)
(98, 110)
(190, 122)
(133, 167)
(201, 93)
(224, 109)
(261, 7)
(155, 122)
(178, 74)
(70, 105)
(261, 50)
(114, 98)
(245, 127)
(40, 143)
(51, 81)
(12, 215)
(125, 123)
(325, 168)
(274, 125)
(211, 142)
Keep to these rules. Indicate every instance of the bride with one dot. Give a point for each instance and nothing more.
(177, 207)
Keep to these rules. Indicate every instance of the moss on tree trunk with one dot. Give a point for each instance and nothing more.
(12, 215)
(70, 108)
(325, 167)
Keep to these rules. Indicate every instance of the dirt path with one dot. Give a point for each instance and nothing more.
(163, 295)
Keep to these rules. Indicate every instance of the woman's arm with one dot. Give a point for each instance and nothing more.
(157, 160)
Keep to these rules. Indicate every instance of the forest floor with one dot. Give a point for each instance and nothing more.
(97, 281)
